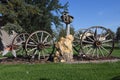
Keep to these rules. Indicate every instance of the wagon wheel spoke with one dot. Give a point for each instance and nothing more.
(31, 50)
(87, 46)
(88, 52)
(42, 37)
(104, 49)
(90, 38)
(37, 38)
(33, 53)
(101, 51)
(42, 42)
(76, 46)
(45, 40)
(100, 45)
(31, 45)
(107, 35)
(88, 42)
(42, 54)
(93, 53)
(95, 34)
(76, 42)
(32, 40)
(102, 32)
(106, 41)
(97, 53)
(107, 45)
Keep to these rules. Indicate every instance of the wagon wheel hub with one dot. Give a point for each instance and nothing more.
(40, 46)
(97, 44)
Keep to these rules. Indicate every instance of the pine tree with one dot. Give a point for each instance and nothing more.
(32, 15)
(17, 12)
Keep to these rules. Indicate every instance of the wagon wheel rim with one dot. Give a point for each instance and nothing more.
(18, 43)
(77, 39)
(99, 43)
(39, 43)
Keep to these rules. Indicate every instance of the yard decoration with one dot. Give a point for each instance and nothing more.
(64, 51)
(94, 42)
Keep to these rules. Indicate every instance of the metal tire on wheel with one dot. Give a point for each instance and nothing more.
(40, 44)
(97, 42)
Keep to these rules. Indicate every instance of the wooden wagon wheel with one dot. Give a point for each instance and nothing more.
(97, 42)
(39, 43)
(77, 39)
(18, 43)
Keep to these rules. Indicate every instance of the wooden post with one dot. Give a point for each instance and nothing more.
(67, 29)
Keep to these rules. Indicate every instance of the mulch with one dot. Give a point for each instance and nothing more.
(76, 59)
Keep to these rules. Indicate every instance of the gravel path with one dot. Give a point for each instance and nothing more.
(95, 61)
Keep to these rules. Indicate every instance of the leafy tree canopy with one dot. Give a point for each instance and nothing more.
(31, 15)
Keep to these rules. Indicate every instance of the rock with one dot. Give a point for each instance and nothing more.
(64, 51)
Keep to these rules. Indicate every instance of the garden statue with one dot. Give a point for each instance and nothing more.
(6, 42)
(64, 51)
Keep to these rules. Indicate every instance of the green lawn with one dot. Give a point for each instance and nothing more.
(61, 71)
(116, 52)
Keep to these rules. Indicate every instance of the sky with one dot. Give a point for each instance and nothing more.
(89, 13)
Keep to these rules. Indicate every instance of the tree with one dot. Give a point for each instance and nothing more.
(49, 9)
(32, 15)
(18, 13)
(118, 34)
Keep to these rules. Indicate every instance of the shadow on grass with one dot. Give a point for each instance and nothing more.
(44, 79)
(116, 78)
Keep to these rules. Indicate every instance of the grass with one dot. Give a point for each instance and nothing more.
(60, 71)
(116, 52)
